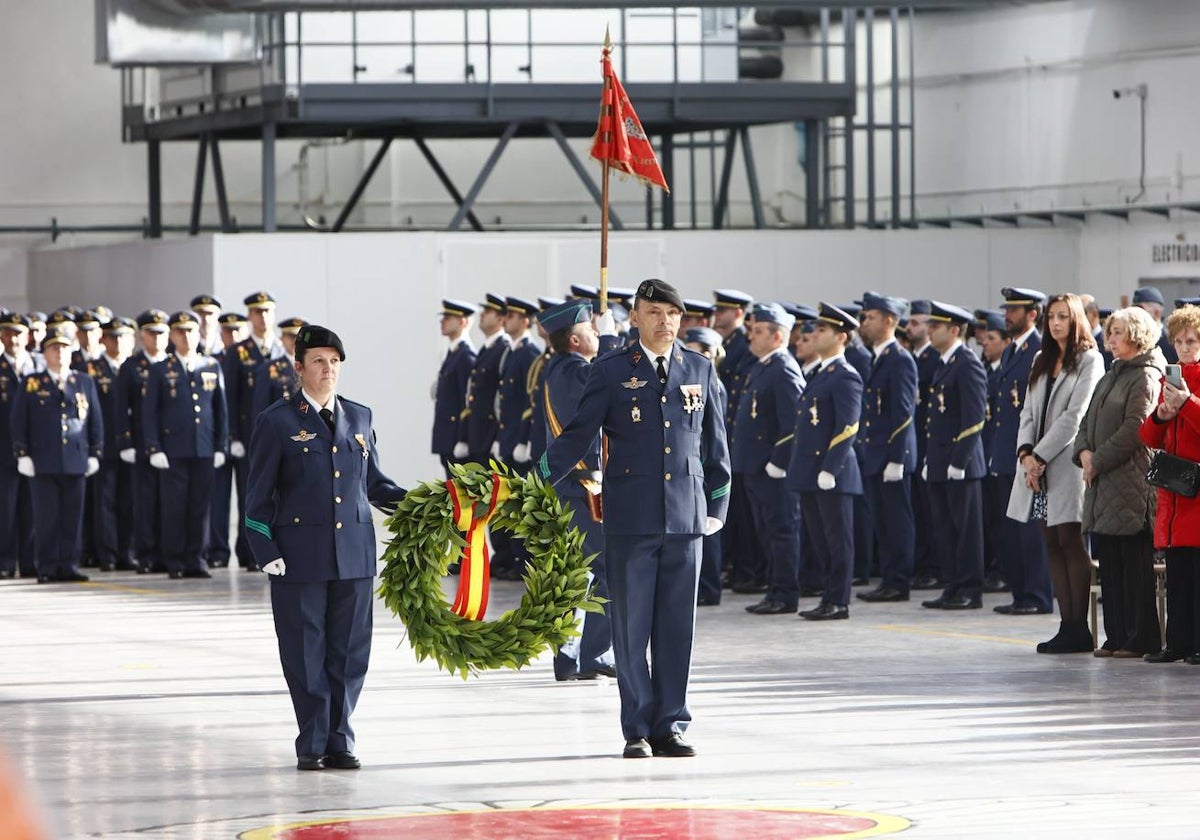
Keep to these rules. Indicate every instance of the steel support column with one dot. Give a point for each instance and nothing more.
(668, 168)
(752, 179)
(198, 185)
(219, 183)
(726, 171)
(894, 14)
(445, 179)
(484, 174)
(361, 186)
(870, 29)
(850, 50)
(269, 222)
(561, 139)
(812, 174)
(154, 227)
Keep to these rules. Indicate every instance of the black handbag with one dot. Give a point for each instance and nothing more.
(1178, 475)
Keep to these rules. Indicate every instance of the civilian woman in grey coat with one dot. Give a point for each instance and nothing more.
(1049, 486)
(1117, 506)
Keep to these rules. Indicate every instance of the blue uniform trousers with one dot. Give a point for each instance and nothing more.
(993, 516)
(16, 537)
(58, 520)
(864, 539)
(185, 502)
(1021, 553)
(925, 556)
(146, 516)
(112, 513)
(741, 550)
(652, 581)
(593, 647)
(241, 547)
(776, 515)
(710, 570)
(324, 632)
(891, 508)
(219, 549)
(829, 520)
(957, 508)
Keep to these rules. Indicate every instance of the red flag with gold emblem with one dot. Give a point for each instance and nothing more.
(620, 139)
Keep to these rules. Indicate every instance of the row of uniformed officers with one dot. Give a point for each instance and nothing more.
(121, 439)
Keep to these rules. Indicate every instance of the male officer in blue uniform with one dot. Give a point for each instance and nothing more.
(57, 439)
(576, 343)
(824, 468)
(994, 339)
(130, 435)
(696, 313)
(1151, 299)
(313, 474)
(666, 484)
(186, 430)
(535, 383)
(16, 505)
(514, 412)
(112, 487)
(926, 569)
(860, 358)
(1019, 545)
(477, 431)
(707, 342)
(954, 465)
(259, 374)
(888, 440)
(208, 307)
(233, 326)
(450, 390)
(762, 449)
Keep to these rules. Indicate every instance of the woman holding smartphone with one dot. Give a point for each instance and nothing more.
(1174, 427)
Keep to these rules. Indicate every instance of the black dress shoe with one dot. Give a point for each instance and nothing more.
(310, 762)
(882, 594)
(344, 760)
(47, 578)
(706, 602)
(826, 612)
(637, 748)
(603, 671)
(861, 581)
(768, 606)
(928, 582)
(672, 746)
(196, 573)
(960, 602)
(1165, 655)
(1029, 609)
(749, 588)
(6, 574)
(934, 604)
(72, 576)
(1194, 659)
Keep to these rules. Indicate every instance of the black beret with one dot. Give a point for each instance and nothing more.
(659, 291)
(315, 336)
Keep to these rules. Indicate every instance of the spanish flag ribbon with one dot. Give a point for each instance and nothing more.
(474, 572)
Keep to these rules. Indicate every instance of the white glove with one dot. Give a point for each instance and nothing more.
(129, 456)
(712, 525)
(237, 449)
(218, 460)
(521, 453)
(605, 325)
(925, 472)
(460, 450)
(955, 474)
(496, 449)
(159, 461)
(825, 480)
(93, 467)
(893, 472)
(25, 466)
(276, 567)
(774, 471)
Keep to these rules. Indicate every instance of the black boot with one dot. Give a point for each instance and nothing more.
(1049, 645)
(1073, 637)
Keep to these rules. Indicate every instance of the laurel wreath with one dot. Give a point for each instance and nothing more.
(424, 541)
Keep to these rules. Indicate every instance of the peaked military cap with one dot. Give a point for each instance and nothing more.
(580, 290)
(231, 319)
(15, 321)
(1022, 297)
(884, 303)
(205, 303)
(119, 326)
(260, 300)
(1148, 294)
(88, 321)
(154, 320)
(731, 299)
(59, 317)
(918, 307)
(545, 303)
(1105, 312)
(659, 291)
(1187, 301)
(948, 313)
(57, 335)
(185, 319)
(314, 336)
(563, 316)
(704, 336)
(697, 308)
(497, 303)
(103, 314)
(990, 319)
(291, 326)
(772, 313)
(837, 317)
(620, 294)
(801, 312)
(460, 308)
(521, 305)
(852, 309)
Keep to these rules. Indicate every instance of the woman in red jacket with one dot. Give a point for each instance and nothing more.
(1175, 428)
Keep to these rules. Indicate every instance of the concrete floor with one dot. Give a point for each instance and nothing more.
(138, 707)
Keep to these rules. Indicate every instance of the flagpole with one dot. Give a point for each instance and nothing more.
(604, 191)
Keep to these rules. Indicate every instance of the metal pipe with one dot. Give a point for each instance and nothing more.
(870, 27)
(894, 14)
(912, 121)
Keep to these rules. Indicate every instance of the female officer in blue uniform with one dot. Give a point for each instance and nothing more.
(313, 474)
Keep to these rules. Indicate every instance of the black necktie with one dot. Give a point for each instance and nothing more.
(662, 371)
(327, 416)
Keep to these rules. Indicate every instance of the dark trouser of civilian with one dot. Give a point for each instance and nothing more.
(1183, 596)
(58, 518)
(1127, 587)
(111, 524)
(1070, 569)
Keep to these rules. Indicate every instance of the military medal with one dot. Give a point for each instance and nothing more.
(363, 443)
(816, 419)
(941, 397)
(81, 404)
(1016, 397)
(693, 398)
(304, 436)
(754, 406)
(635, 414)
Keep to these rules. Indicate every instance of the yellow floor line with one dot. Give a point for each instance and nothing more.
(903, 628)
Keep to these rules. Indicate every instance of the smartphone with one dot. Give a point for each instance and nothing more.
(1174, 376)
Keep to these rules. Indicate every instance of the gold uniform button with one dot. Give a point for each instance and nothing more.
(335, 450)
(667, 424)
(197, 408)
(337, 473)
(664, 399)
(306, 449)
(667, 476)
(338, 526)
(296, 521)
(667, 450)
(195, 396)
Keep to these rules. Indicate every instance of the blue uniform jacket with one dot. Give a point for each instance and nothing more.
(733, 369)
(256, 380)
(1009, 395)
(668, 467)
(537, 404)
(859, 358)
(565, 380)
(58, 428)
(480, 426)
(927, 364)
(450, 398)
(104, 375)
(183, 414)
(309, 492)
(827, 422)
(10, 383)
(988, 433)
(766, 419)
(515, 412)
(957, 402)
(131, 390)
(888, 434)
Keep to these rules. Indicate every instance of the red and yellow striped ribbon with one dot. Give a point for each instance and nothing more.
(475, 571)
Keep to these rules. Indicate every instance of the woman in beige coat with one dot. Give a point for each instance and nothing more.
(1049, 486)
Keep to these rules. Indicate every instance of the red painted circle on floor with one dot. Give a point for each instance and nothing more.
(610, 823)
